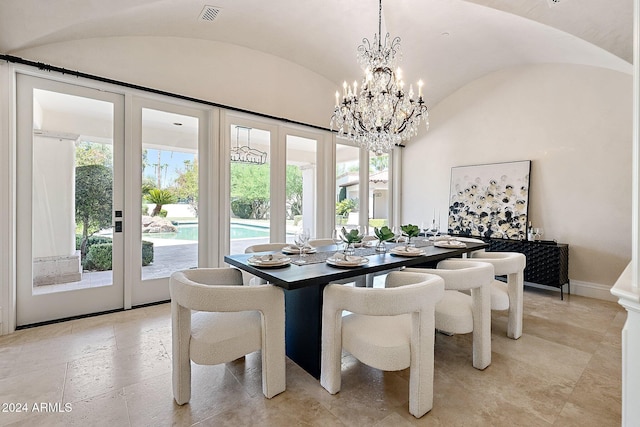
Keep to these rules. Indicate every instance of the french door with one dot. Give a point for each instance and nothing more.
(169, 169)
(108, 200)
(70, 200)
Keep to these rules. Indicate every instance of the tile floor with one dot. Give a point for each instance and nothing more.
(115, 370)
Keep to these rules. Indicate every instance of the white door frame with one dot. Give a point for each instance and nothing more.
(138, 291)
(37, 308)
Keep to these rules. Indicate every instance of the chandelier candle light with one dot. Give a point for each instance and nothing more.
(378, 114)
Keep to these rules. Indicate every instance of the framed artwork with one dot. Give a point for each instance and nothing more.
(490, 200)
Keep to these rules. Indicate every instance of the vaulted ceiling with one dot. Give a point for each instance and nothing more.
(447, 43)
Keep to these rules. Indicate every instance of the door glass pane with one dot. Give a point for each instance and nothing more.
(301, 185)
(347, 185)
(378, 191)
(72, 192)
(250, 187)
(169, 193)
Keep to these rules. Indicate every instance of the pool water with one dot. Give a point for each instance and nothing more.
(190, 232)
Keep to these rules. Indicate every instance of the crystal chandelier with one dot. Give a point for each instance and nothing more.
(378, 114)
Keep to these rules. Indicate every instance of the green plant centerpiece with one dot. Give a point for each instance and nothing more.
(350, 237)
(410, 231)
(384, 234)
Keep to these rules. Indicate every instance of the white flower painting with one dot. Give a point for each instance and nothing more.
(490, 200)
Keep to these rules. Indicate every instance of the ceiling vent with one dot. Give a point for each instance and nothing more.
(209, 13)
(553, 3)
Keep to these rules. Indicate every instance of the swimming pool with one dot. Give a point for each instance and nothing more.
(190, 232)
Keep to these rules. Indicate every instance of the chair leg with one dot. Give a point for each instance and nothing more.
(515, 289)
(421, 370)
(331, 354)
(181, 361)
(481, 326)
(274, 379)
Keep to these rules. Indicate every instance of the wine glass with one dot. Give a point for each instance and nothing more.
(302, 238)
(435, 228)
(425, 230)
(336, 236)
(537, 233)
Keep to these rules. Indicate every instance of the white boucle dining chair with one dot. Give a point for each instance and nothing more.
(510, 295)
(461, 313)
(321, 242)
(389, 328)
(231, 320)
(265, 247)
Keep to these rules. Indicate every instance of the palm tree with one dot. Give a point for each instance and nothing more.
(160, 197)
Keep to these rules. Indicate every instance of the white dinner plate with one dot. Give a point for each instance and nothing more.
(292, 250)
(404, 251)
(450, 244)
(351, 262)
(265, 263)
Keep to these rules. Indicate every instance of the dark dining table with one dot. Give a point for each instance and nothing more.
(304, 285)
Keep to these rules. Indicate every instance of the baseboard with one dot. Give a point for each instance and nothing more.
(583, 289)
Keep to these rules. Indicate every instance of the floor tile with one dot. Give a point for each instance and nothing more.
(115, 370)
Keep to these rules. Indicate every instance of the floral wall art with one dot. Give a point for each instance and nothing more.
(490, 200)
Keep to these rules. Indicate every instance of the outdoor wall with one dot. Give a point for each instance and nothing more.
(222, 73)
(575, 124)
(54, 228)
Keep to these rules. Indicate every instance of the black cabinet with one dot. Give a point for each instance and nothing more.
(547, 262)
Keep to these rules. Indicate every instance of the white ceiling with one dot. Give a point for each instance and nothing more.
(447, 43)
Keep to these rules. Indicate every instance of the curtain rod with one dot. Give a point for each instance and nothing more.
(48, 67)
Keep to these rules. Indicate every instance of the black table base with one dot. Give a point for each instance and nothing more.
(303, 334)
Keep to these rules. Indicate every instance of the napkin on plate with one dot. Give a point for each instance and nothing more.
(296, 247)
(408, 249)
(350, 259)
(269, 258)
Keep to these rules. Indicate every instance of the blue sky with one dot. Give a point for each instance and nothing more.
(171, 161)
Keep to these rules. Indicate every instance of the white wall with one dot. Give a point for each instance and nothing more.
(574, 123)
(226, 74)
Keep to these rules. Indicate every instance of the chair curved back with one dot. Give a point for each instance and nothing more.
(231, 320)
(510, 295)
(265, 247)
(461, 313)
(461, 274)
(504, 263)
(389, 329)
(321, 242)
